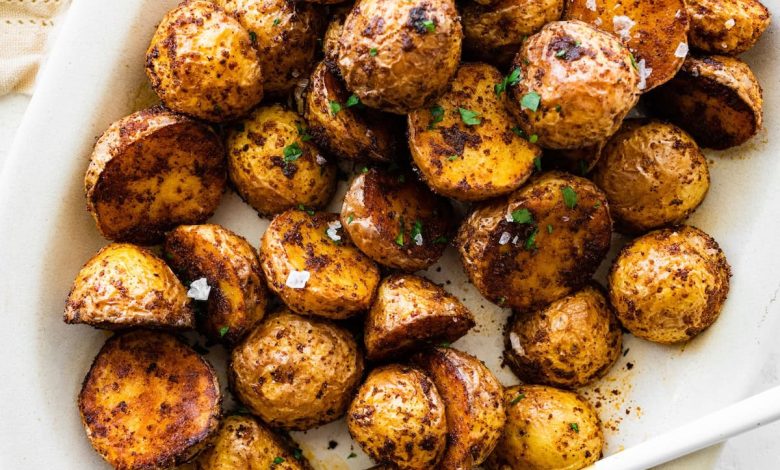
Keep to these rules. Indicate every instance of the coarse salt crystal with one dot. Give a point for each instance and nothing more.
(682, 50)
(320, 160)
(597, 22)
(505, 236)
(590, 5)
(515, 240)
(622, 25)
(508, 217)
(514, 340)
(729, 23)
(199, 289)
(297, 279)
(418, 240)
(644, 73)
(332, 231)
(678, 14)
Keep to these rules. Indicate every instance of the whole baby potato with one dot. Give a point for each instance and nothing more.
(728, 27)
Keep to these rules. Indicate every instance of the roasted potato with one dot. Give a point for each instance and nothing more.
(411, 310)
(579, 161)
(669, 285)
(202, 62)
(296, 372)
(399, 56)
(547, 429)
(576, 85)
(238, 296)
(149, 401)
(541, 243)
(569, 343)
(310, 262)
(397, 418)
(466, 146)
(274, 167)
(726, 26)
(395, 220)
(243, 443)
(655, 32)
(338, 124)
(473, 404)
(717, 99)
(653, 174)
(493, 32)
(285, 34)
(151, 171)
(330, 41)
(126, 286)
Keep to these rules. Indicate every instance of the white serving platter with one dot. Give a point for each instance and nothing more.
(95, 76)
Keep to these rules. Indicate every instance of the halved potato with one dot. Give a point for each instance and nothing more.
(151, 171)
(717, 99)
(343, 127)
(542, 242)
(411, 310)
(655, 32)
(726, 26)
(274, 167)
(230, 265)
(149, 401)
(471, 157)
(125, 286)
(310, 262)
(395, 220)
(474, 404)
(242, 442)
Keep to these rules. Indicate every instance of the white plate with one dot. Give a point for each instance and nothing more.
(95, 75)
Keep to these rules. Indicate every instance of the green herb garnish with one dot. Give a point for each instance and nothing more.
(533, 138)
(372, 52)
(569, 197)
(516, 399)
(429, 25)
(352, 101)
(538, 163)
(223, 331)
(633, 61)
(452, 157)
(277, 21)
(530, 242)
(549, 228)
(574, 427)
(522, 216)
(469, 117)
(437, 115)
(303, 133)
(292, 152)
(399, 239)
(253, 37)
(335, 107)
(530, 101)
(350, 218)
(416, 229)
(278, 460)
(297, 454)
(512, 79)
(352, 455)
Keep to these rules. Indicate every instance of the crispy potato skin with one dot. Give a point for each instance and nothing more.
(342, 280)
(380, 211)
(125, 286)
(471, 162)
(398, 418)
(411, 310)
(669, 285)
(412, 65)
(285, 34)
(330, 41)
(493, 32)
(559, 259)
(264, 176)
(569, 343)
(657, 33)
(244, 443)
(653, 174)
(585, 90)
(201, 62)
(149, 401)
(230, 264)
(540, 431)
(473, 401)
(717, 99)
(296, 372)
(351, 133)
(151, 171)
(710, 20)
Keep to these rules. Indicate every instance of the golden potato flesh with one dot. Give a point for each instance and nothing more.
(202, 62)
(151, 171)
(399, 56)
(126, 286)
(469, 157)
(395, 220)
(397, 417)
(339, 124)
(310, 262)
(237, 296)
(244, 443)
(653, 174)
(726, 26)
(273, 164)
(655, 32)
(493, 32)
(577, 84)
(473, 404)
(669, 285)
(547, 429)
(409, 311)
(285, 34)
(569, 343)
(296, 372)
(717, 99)
(541, 243)
(149, 401)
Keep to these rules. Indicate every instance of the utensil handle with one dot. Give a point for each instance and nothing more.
(710, 429)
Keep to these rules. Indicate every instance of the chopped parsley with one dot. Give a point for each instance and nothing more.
(516, 399)
(512, 79)
(416, 229)
(530, 242)
(364, 169)
(278, 460)
(437, 115)
(429, 25)
(533, 138)
(518, 132)
(352, 455)
(303, 133)
(297, 454)
(522, 216)
(530, 101)
(469, 117)
(574, 427)
(350, 218)
(253, 37)
(303, 208)
(597, 205)
(549, 228)
(292, 152)
(569, 197)
(399, 239)
(277, 21)
(452, 157)
(372, 52)
(441, 240)
(633, 61)
(335, 107)
(223, 331)
(538, 163)
(352, 101)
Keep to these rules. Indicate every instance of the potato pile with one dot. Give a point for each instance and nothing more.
(496, 128)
